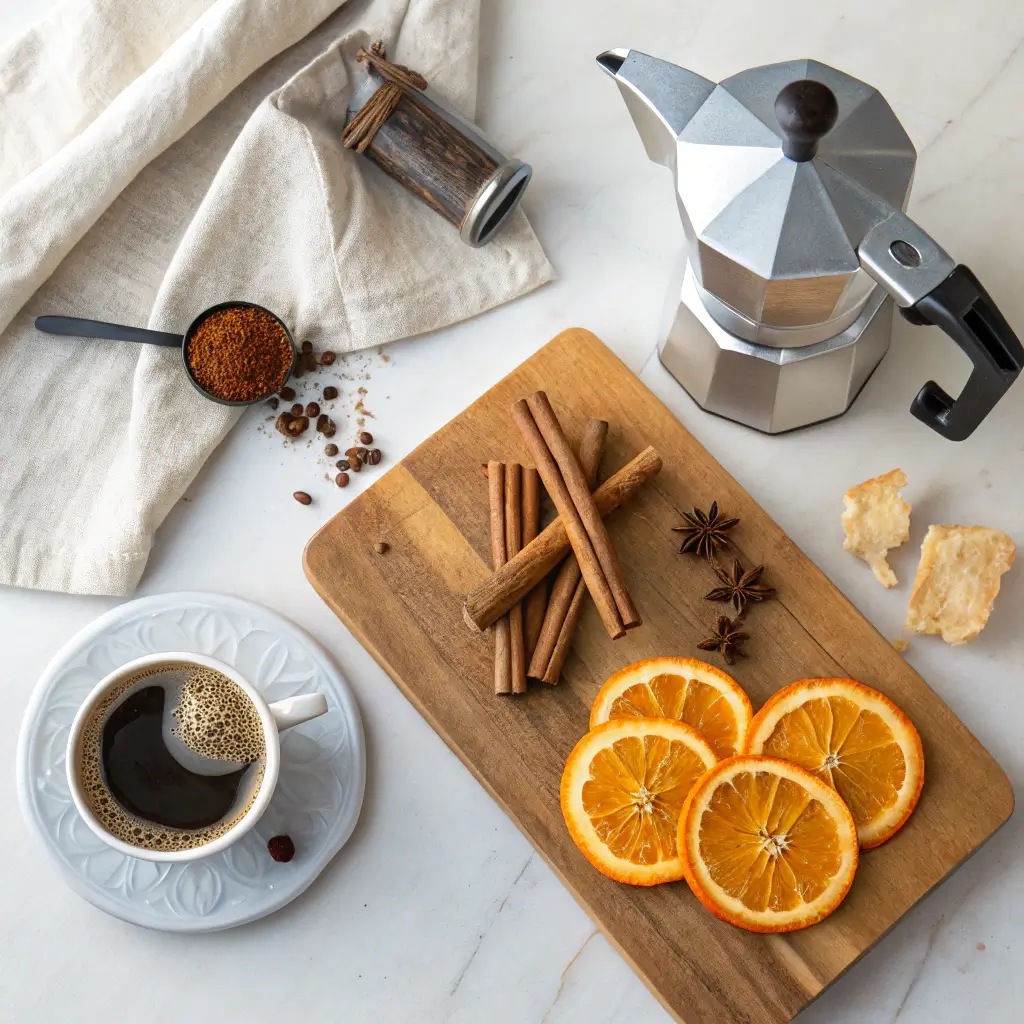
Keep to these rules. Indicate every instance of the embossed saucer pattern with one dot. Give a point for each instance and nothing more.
(318, 796)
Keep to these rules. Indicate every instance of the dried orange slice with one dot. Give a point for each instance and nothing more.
(691, 691)
(622, 790)
(856, 740)
(766, 845)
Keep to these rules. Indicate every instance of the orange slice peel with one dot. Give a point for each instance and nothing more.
(622, 791)
(853, 738)
(766, 845)
(684, 689)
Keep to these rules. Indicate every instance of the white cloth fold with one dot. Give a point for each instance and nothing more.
(148, 171)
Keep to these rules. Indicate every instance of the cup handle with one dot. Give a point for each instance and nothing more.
(296, 710)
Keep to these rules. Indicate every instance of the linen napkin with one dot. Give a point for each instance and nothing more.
(158, 159)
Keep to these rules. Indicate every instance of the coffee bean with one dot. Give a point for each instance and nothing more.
(366, 437)
(341, 479)
(326, 425)
(302, 498)
(330, 429)
(312, 410)
(297, 409)
(342, 463)
(288, 394)
(273, 403)
(281, 848)
(381, 547)
(330, 450)
(330, 393)
(308, 361)
(281, 426)
(307, 346)
(374, 456)
(327, 358)
(297, 426)
(352, 451)
(355, 464)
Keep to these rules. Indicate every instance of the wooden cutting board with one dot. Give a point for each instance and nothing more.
(405, 607)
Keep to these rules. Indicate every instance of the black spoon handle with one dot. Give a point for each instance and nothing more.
(79, 328)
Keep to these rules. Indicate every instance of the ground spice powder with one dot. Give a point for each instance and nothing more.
(239, 354)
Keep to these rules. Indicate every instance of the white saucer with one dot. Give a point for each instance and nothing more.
(316, 802)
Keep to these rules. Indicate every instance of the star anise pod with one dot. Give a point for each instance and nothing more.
(740, 587)
(704, 533)
(725, 639)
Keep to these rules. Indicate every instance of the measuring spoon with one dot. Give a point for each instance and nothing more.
(77, 327)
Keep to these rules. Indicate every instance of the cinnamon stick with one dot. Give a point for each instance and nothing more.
(554, 670)
(513, 545)
(576, 484)
(569, 575)
(569, 514)
(502, 645)
(489, 600)
(537, 600)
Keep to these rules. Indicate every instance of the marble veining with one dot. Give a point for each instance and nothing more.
(390, 925)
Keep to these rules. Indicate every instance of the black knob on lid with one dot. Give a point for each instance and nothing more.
(806, 110)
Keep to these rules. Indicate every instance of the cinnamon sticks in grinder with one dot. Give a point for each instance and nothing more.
(566, 483)
(566, 600)
(489, 600)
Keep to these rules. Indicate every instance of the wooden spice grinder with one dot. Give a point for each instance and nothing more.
(77, 327)
(433, 152)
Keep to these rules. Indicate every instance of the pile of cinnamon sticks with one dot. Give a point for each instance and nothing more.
(533, 634)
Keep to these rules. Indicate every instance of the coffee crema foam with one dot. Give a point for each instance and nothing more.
(214, 718)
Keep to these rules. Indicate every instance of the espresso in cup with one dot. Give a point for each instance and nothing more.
(172, 757)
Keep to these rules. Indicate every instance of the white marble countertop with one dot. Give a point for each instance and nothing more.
(438, 909)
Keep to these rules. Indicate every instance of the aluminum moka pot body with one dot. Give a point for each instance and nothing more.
(791, 182)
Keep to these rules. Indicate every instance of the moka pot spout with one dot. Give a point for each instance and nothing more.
(661, 97)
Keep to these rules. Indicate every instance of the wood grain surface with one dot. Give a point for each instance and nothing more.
(405, 607)
(431, 158)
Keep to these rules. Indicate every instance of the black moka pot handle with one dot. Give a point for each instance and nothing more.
(930, 288)
(962, 308)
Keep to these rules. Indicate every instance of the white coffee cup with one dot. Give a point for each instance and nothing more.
(275, 718)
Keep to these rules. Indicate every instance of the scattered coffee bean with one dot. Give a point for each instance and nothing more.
(288, 394)
(312, 410)
(297, 409)
(330, 429)
(297, 426)
(308, 361)
(374, 456)
(342, 463)
(330, 393)
(273, 403)
(307, 346)
(281, 848)
(366, 437)
(303, 499)
(327, 358)
(330, 450)
(352, 451)
(326, 425)
(381, 547)
(281, 426)
(355, 464)
(341, 479)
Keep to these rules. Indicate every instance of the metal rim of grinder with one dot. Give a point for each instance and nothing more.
(495, 203)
